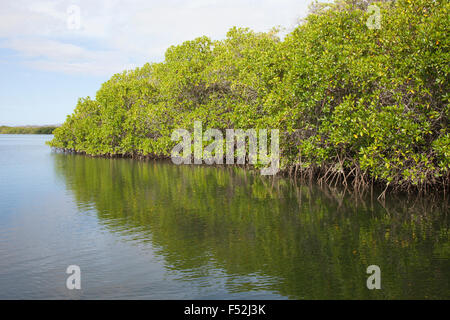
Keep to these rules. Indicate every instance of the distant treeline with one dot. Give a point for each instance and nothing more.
(27, 130)
(360, 95)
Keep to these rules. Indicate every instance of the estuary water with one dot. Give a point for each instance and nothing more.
(154, 230)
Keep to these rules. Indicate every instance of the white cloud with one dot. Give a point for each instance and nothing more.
(50, 55)
(116, 33)
(45, 48)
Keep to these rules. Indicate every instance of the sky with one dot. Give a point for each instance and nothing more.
(54, 52)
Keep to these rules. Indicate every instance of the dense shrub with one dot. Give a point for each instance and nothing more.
(352, 103)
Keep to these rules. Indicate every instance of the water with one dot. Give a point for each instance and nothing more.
(154, 230)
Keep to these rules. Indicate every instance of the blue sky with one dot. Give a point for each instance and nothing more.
(53, 52)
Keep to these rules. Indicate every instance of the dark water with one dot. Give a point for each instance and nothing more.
(153, 230)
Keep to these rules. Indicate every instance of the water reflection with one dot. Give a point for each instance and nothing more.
(253, 233)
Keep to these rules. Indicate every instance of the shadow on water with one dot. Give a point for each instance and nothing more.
(304, 242)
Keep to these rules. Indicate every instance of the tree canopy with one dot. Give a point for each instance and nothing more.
(351, 102)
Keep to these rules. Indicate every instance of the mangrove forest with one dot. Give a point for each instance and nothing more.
(355, 103)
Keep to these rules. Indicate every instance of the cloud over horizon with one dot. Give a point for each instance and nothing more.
(103, 37)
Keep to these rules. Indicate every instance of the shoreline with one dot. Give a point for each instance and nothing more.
(48, 129)
(323, 176)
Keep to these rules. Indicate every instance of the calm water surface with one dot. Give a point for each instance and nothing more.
(153, 230)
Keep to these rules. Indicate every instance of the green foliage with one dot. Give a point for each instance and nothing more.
(27, 130)
(371, 101)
